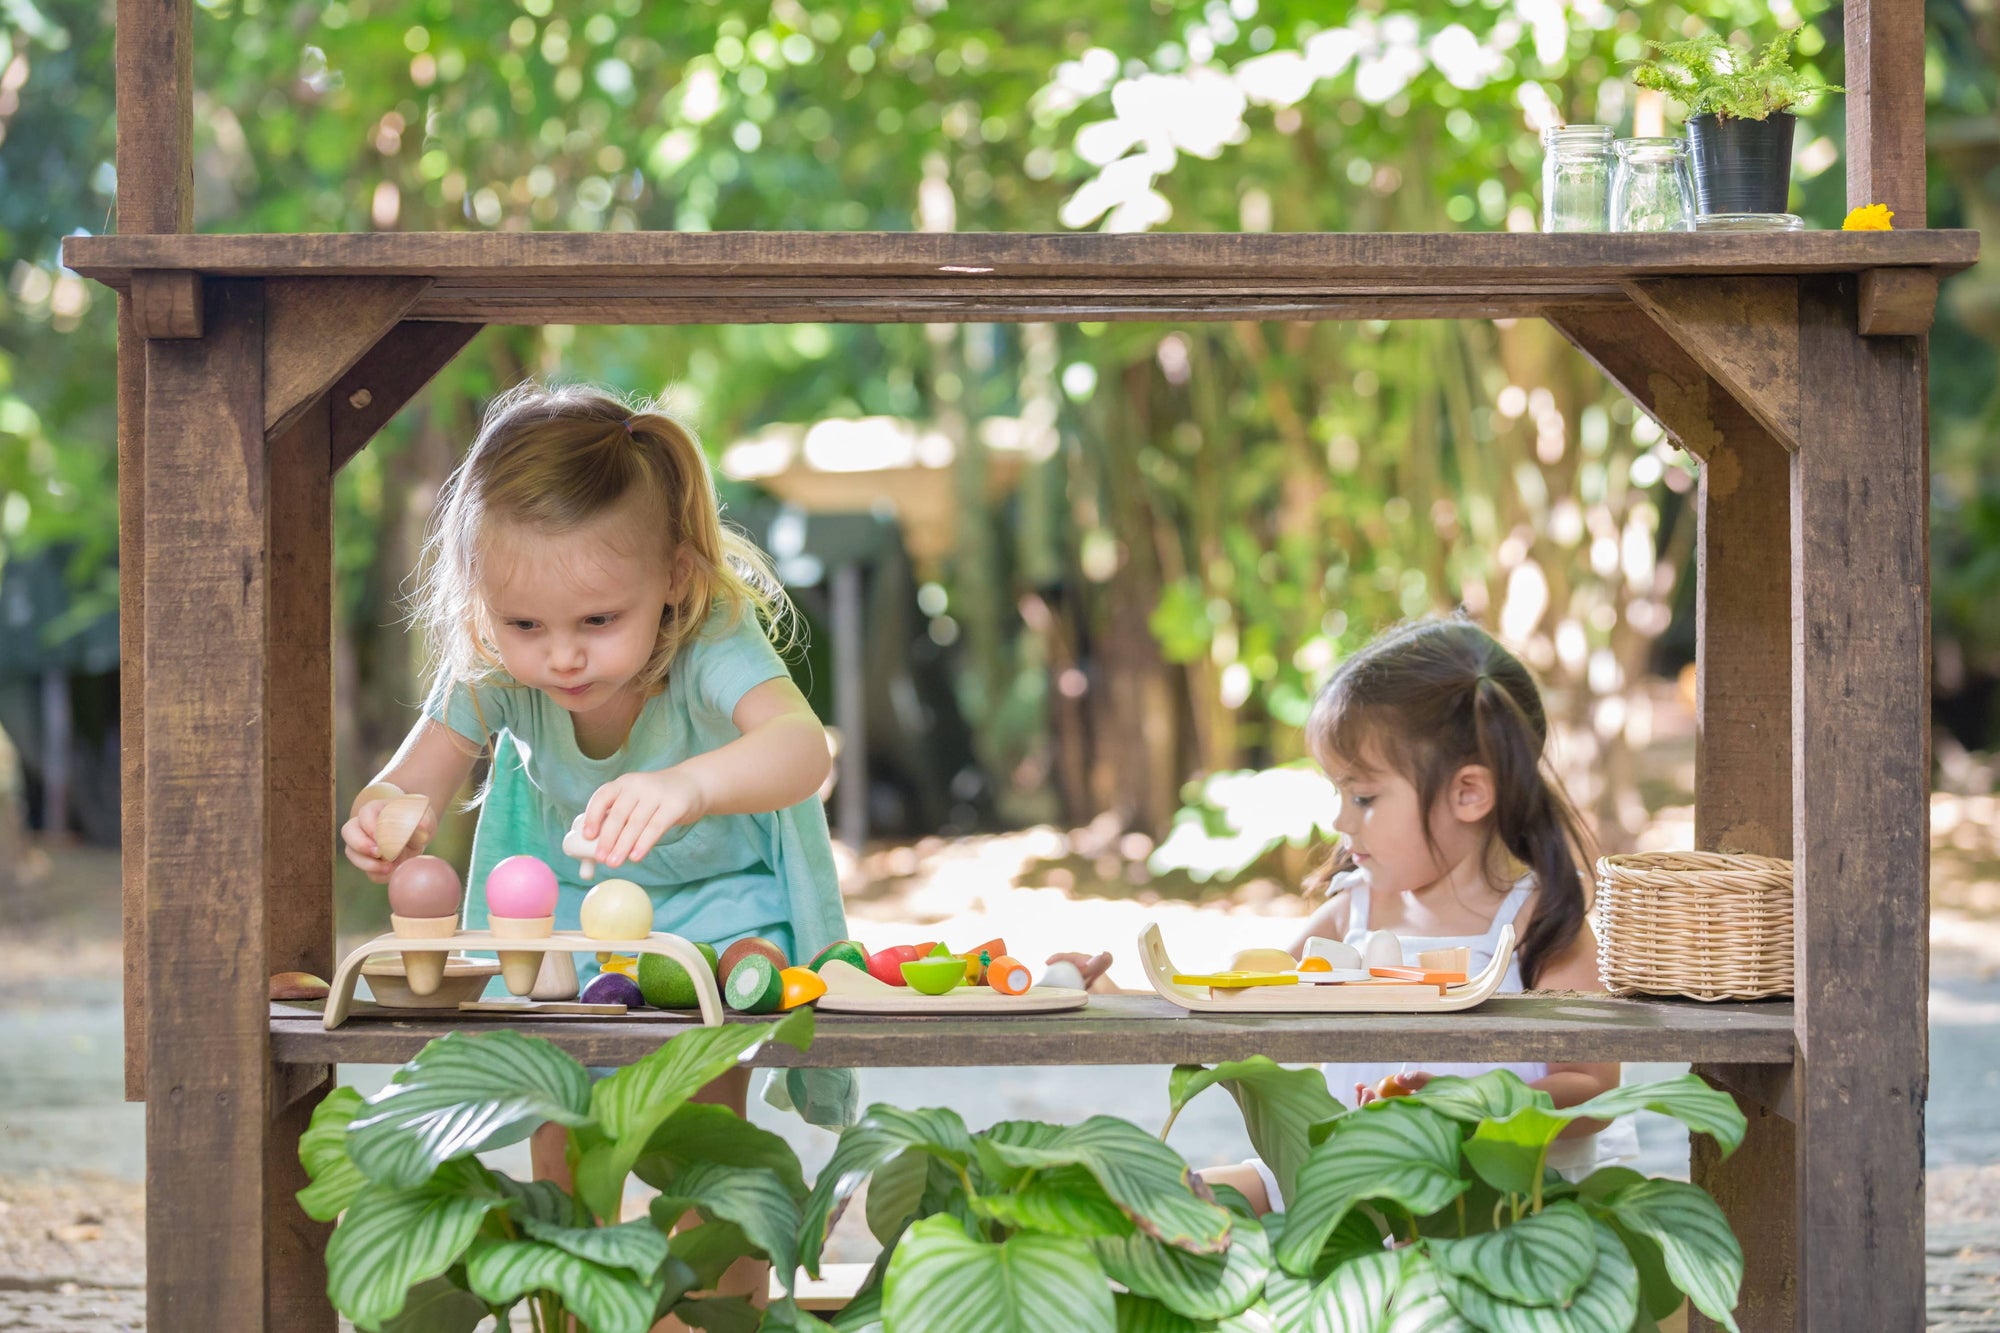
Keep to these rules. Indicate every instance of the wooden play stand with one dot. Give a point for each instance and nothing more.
(1793, 366)
(708, 998)
(1351, 997)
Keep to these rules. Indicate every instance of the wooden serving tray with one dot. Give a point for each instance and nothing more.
(1352, 997)
(964, 1000)
(341, 1000)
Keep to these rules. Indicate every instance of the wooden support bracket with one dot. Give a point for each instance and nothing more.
(1641, 358)
(1768, 1086)
(1898, 301)
(317, 328)
(387, 377)
(1742, 331)
(167, 304)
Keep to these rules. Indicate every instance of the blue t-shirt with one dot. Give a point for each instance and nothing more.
(716, 880)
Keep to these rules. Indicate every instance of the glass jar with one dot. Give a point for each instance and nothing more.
(1576, 178)
(1652, 187)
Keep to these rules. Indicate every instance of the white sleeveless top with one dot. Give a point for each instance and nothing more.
(1574, 1158)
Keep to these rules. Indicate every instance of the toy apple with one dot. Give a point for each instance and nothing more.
(886, 965)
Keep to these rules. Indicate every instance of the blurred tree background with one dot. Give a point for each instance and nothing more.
(1208, 517)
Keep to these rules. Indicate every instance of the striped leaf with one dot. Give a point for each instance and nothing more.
(707, 1251)
(785, 1316)
(1493, 1095)
(540, 1200)
(1702, 1255)
(390, 1239)
(1279, 1107)
(719, 1314)
(1421, 1305)
(942, 1278)
(1511, 1154)
(609, 1300)
(437, 1306)
(863, 1314)
(464, 1093)
(1540, 1260)
(323, 1152)
(704, 1132)
(1288, 1298)
(865, 1147)
(633, 1103)
(1065, 1201)
(1143, 1176)
(1608, 1302)
(638, 1248)
(1139, 1314)
(751, 1197)
(1403, 1154)
(1199, 1286)
(1355, 1297)
(1703, 1109)
(895, 1191)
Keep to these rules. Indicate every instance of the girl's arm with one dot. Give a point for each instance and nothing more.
(780, 759)
(433, 762)
(1328, 923)
(1572, 1084)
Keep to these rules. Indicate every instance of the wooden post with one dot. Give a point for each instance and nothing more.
(299, 817)
(206, 701)
(1860, 719)
(1885, 107)
(154, 87)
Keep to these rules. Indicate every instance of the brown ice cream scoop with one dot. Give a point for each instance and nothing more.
(424, 886)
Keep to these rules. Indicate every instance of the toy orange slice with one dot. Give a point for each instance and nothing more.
(801, 985)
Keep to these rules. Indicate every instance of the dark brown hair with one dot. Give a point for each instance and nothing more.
(1435, 695)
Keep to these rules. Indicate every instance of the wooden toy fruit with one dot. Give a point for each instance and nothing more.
(299, 986)
(617, 909)
(625, 964)
(886, 965)
(1393, 1086)
(751, 946)
(1007, 975)
(753, 985)
(613, 988)
(802, 985)
(1263, 960)
(934, 976)
(847, 951)
(977, 959)
(666, 984)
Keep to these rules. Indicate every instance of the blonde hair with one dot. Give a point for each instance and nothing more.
(554, 458)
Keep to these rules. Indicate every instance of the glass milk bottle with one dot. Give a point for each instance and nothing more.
(1576, 178)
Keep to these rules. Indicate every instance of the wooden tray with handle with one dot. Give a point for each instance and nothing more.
(1351, 997)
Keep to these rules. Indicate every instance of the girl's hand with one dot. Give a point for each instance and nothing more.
(1091, 968)
(628, 814)
(1396, 1085)
(358, 834)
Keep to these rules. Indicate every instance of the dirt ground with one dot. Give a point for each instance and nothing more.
(72, 1152)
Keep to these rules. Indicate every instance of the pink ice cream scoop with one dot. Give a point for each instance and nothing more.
(521, 886)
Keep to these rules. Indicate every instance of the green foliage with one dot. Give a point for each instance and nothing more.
(428, 1235)
(1712, 78)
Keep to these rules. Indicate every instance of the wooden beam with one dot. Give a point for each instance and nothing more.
(153, 80)
(387, 377)
(1861, 821)
(167, 304)
(1899, 302)
(1742, 331)
(1769, 1087)
(1757, 1191)
(294, 1244)
(1635, 353)
(1885, 107)
(206, 699)
(317, 328)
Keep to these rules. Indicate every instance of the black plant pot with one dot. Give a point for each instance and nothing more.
(1742, 166)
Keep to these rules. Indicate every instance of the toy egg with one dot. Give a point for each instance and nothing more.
(1382, 950)
(1338, 954)
(1315, 965)
(934, 976)
(617, 909)
(1063, 976)
(521, 886)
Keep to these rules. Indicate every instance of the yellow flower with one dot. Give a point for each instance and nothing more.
(1874, 217)
(620, 963)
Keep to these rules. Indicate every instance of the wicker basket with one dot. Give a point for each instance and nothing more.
(1699, 924)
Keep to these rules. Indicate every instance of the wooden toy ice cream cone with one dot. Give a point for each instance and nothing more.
(520, 967)
(423, 970)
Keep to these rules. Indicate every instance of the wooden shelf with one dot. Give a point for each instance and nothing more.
(1141, 1029)
(873, 277)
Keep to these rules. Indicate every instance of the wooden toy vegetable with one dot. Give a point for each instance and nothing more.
(1009, 976)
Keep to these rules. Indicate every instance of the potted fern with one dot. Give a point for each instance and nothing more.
(1740, 116)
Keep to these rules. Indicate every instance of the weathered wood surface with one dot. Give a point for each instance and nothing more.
(153, 77)
(1861, 816)
(383, 381)
(1898, 301)
(1885, 106)
(1757, 1189)
(1744, 332)
(206, 722)
(314, 332)
(1143, 1029)
(1642, 359)
(167, 305)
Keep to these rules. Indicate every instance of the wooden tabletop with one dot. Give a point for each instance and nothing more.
(1133, 1030)
(753, 277)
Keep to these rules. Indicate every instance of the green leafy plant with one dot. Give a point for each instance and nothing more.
(431, 1239)
(1438, 1211)
(1710, 77)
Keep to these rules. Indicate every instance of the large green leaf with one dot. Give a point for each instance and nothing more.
(753, 1198)
(707, 1251)
(942, 1278)
(464, 1093)
(1200, 1286)
(1279, 1107)
(1702, 1255)
(1403, 1154)
(1147, 1179)
(541, 1200)
(1510, 1154)
(1421, 1305)
(323, 1153)
(895, 1191)
(719, 1314)
(610, 1300)
(1493, 1095)
(881, 1135)
(390, 1239)
(1355, 1297)
(1608, 1302)
(1288, 1298)
(639, 1248)
(1140, 1314)
(1540, 1260)
(437, 1306)
(634, 1102)
(704, 1132)
(1062, 1201)
(785, 1316)
(1704, 1110)
(863, 1314)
